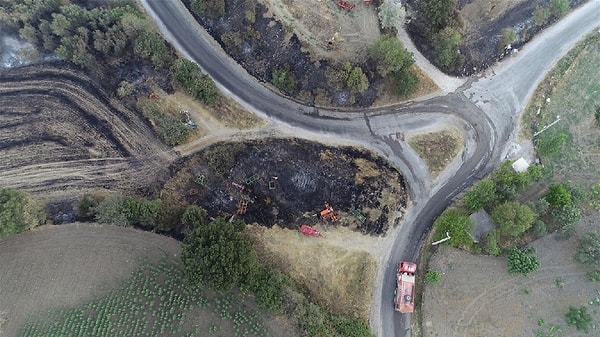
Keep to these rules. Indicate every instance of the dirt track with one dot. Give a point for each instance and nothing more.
(61, 134)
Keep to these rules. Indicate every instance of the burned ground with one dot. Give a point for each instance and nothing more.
(61, 134)
(286, 183)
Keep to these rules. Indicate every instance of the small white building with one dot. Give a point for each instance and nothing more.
(520, 165)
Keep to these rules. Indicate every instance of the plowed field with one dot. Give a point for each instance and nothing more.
(59, 133)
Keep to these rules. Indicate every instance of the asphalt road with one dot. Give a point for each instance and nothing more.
(486, 109)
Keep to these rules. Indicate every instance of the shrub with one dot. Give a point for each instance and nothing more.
(357, 81)
(190, 78)
(491, 243)
(521, 261)
(481, 195)
(169, 128)
(351, 327)
(457, 224)
(593, 197)
(284, 80)
(19, 212)
(588, 251)
(512, 218)
(579, 317)
(391, 56)
(406, 82)
(446, 44)
(594, 276)
(433, 277)
(558, 195)
(597, 115)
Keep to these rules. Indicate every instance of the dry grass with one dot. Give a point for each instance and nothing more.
(339, 277)
(438, 148)
(366, 169)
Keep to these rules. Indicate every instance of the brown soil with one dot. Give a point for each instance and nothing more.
(477, 297)
(286, 183)
(62, 136)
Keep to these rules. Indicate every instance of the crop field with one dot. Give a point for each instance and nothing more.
(61, 133)
(154, 302)
(100, 280)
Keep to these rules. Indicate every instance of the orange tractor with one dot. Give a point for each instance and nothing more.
(328, 213)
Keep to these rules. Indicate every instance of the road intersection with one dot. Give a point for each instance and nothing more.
(486, 109)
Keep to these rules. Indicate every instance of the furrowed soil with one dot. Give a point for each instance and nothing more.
(61, 135)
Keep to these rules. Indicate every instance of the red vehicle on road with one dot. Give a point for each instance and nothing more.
(404, 299)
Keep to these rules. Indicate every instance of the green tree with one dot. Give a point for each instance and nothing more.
(406, 82)
(588, 250)
(541, 15)
(445, 48)
(579, 317)
(558, 195)
(389, 14)
(391, 55)
(597, 115)
(512, 218)
(522, 261)
(19, 212)
(267, 286)
(481, 195)
(190, 78)
(357, 81)
(433, 277)
(457, 224)
(440, 14)
(151, 46)
(217, 255)
(212, 8)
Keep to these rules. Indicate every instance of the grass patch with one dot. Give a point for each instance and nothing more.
(340, 278)
(154, 302)
(438, 148)
(571, 91)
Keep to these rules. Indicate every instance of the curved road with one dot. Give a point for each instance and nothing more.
(487, 109)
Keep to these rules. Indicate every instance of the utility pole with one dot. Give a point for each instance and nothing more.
(547, 126)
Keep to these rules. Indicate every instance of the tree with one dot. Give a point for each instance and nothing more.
(481, 195)
(597, 115)
(390, 14)
(433, 277)
(558, 195)
(559, 8)
(588, 251)
(190, 77)
(522, 261)
(18, 212)
(440, 14)
(406, 82)
(212, 8)
(512, 218)
(217, 255)
(357, 81)
(579, 317)
(445, 45)
(391, 55)
(457, 224)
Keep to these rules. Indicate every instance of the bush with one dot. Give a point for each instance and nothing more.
(588, 251)
(446, 44)
(351, 327)
(579, 317)
(512, 218)
(593, 197)
(19, 212)
(406, 83)
(357, 81)
(391, 56)
(597, 115)
(433, 277)
(190, 78)
(284, 80)
(558, 195)
(491, 243)
(457, 224)
(481, 195)
(170, 129)
(521, 261)
(594, 276)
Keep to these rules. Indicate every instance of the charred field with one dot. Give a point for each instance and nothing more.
(286, 182)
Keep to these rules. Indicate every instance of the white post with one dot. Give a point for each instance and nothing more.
(547, 126)
(442, 240)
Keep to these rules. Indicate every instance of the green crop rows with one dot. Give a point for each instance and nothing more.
(155, 302)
